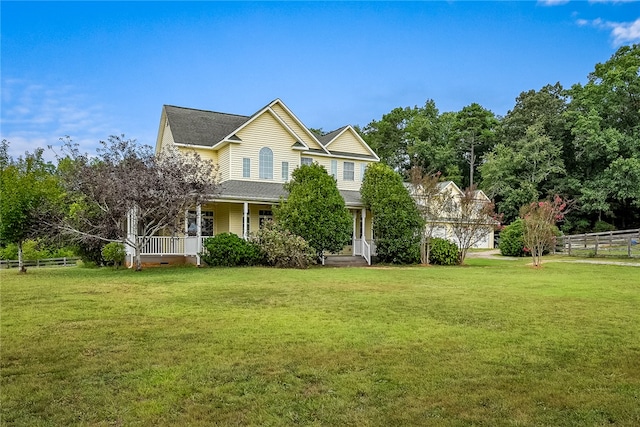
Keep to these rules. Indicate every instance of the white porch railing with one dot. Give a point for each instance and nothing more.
(161, 245)
(366, 251)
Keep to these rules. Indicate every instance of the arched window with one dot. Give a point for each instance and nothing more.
(266, 163)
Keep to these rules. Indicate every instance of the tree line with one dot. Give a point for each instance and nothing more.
(581, 142)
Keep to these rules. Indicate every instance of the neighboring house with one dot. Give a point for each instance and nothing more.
(256, 155)
(444, 213)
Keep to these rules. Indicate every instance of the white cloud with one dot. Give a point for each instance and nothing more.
(34, 115)
(625, 32)
(552, 2)
(612, 1)
(622, 32)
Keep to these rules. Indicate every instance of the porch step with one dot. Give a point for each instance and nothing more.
(345, 261)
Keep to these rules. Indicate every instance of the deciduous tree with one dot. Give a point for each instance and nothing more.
(29, 193)
(128, 186)
(434, 205)
(473, 217)
(539, 225)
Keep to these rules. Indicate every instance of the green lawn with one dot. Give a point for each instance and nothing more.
(492, 343)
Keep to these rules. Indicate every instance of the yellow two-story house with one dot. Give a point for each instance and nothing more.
(255, 156)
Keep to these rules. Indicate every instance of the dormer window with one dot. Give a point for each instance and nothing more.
(266, 163)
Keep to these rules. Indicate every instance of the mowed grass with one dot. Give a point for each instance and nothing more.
(492, 343)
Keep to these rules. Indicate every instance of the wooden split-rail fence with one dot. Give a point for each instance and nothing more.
(47, 262)
(609, 243)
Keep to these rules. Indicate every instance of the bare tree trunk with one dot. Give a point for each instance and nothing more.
(138, 258)
(21, 267)
(427, 251)
(423, 250)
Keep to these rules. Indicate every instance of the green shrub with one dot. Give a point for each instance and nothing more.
(512, 239)
(602, 226)
(229, 250)
(283, 249)
(443, 252)
(114, 253)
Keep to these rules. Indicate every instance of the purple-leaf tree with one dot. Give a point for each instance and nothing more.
(128, 193)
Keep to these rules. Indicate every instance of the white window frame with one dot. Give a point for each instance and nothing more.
(246, 167)
(348, 171)
(334, 169)
(285, 171)
(265, 163)
(306, 161)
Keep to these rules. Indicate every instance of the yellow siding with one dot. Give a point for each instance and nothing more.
(235, 219)
(291, 122)
(348, 143)
(224, 155)
(264, 131)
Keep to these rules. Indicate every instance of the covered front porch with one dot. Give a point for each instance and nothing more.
(241, 217)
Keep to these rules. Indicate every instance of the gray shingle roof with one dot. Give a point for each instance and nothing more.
(327, 137)
(270, 192)
(201, 127)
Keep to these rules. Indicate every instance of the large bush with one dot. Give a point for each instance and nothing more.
(397, 224)
(114, 253)
(315, 210)
(229, 250)
(281, 248)
(512, 239)
(443, 252)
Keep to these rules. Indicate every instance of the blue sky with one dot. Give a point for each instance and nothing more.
(92, 69)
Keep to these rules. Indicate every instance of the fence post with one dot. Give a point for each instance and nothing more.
(629, 246)
(569, 240)
(597, 245)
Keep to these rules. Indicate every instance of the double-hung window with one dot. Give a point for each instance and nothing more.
(285, 171)
(306, 161)
(334, 169)
(348, 171)
(246, 167)
(266, 163)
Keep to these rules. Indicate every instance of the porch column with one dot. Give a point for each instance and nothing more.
(186, 222)
(355, 234)
(198, 233)
(363, 217)
(132, 235)
(245, 223)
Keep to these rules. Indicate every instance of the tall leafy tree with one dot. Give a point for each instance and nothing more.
(315, 210)
(397, 224)
(29, 194)
(388, 137)
(604, 118)
(516, 171)
(476, 129)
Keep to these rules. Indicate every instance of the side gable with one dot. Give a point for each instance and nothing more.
(345, 141)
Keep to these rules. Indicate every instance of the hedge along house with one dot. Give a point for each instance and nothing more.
(256, 156)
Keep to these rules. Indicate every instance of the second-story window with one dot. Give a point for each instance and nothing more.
(285, 171)
(266, 163)
(363, 168)
(348, 171)
(246, 167)
(306, 160)
(334, 169)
